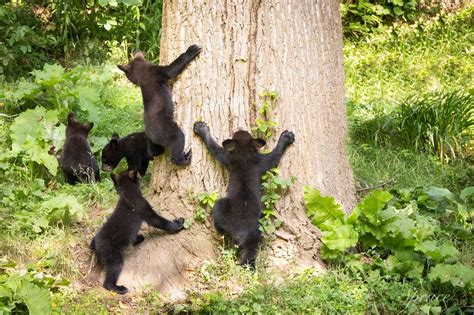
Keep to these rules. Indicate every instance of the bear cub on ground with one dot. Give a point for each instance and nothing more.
(238, 214)
(153, 80)
(77, 161)
(122, 227)
(133, 147)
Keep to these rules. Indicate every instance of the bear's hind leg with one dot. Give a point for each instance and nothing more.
(221, 208)
(114, 265)
(176, 147)
(248, 250)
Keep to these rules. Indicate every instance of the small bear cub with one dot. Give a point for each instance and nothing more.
(238, 214)
(77, 161)
(122, 227)
(133, 147)
(153, 80)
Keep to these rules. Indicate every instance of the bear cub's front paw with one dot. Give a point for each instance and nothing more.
(193, 51)
(178, 224)
(200, 128)
(288, 137)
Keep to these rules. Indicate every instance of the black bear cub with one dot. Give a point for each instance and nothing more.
(160, 127)
(77, 161)
(238, 214)
(133, 147)
(122, 227)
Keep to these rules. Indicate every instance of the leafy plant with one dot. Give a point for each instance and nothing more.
(33, 134)
(265, 126)
(30, 211)
(363, 16)
(399, 233)
(64, 91)
(206, 201)
(24, 42)
(26, 291)
(273, 188)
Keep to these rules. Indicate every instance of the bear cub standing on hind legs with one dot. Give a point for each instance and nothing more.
(238, 214)
(77, 161)
(133, 147)
(122, 227)
(160, 127)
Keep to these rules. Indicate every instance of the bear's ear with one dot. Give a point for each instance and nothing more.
(89, 126)
(138, 54)
(258, 143)
(230, 145)
(70, 117)
(124, 68)
(133, 175)
(114, 141)
(115, 178)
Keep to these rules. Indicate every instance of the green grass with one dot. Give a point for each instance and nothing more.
(333, 293)
(422, 57)
(403, 168)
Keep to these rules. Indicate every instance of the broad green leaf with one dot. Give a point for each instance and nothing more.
(439, 194)
(39, 224)
(340, 237)
(467, 193)
(403, 227)
(25, 89)
(131, 2)
(458, 275)
(33, 133)
(38, 300)
(372, 204)
(89, 100)
(404, 263)
(63, 207)
(324, 212)
(51, 75)
(425, 227)
(447, 250)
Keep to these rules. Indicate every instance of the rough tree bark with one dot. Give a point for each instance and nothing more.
(292, 47)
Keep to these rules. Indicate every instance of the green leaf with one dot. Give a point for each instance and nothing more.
(340, 237)
(439, 194)
(404, 263)
(457, 275)
(38, 300)
(33, 133)
(398, 11)
(51, 75)
(89, 101)
(131, 2)
(467, 193)
(371, 206)
(323, 211)
(187, 223)
(63, 208)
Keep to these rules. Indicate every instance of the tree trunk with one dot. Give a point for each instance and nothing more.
(291, 47)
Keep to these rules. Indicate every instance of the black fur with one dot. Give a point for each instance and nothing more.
(160, 127)
(77, 161)
(239, 212)
(133, 147)
(122, 227)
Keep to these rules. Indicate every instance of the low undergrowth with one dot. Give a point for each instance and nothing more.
(405, 235)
